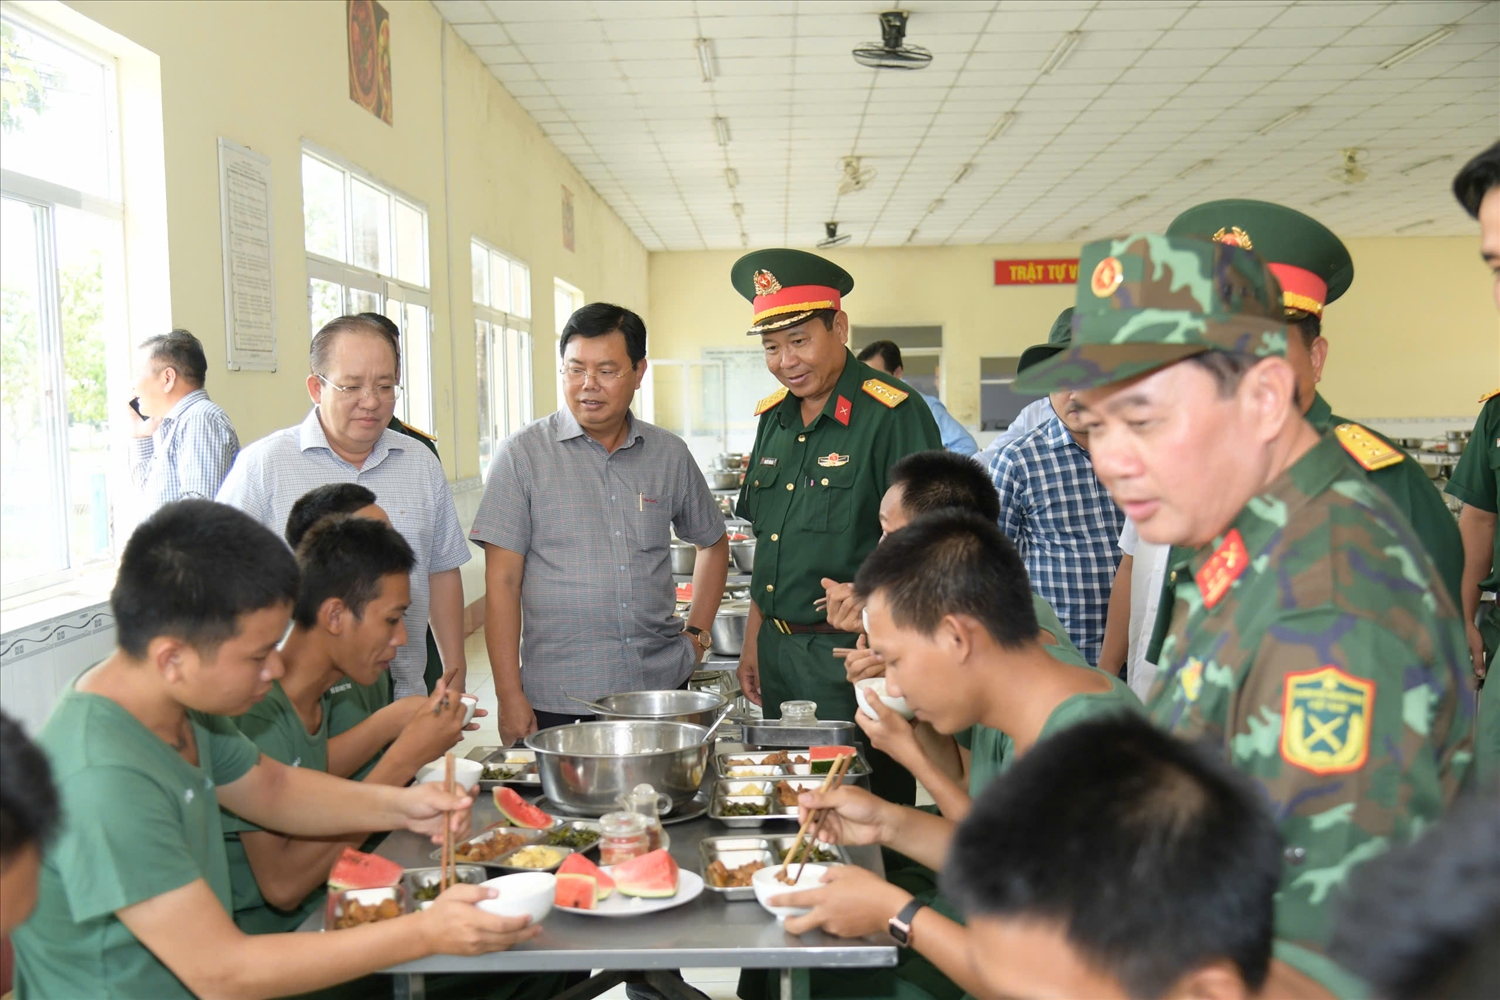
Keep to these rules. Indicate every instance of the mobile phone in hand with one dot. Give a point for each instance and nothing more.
(135, 404)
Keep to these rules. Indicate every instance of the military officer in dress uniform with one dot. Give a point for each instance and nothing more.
(825, 445)
(1311, 638)
(1314, 268)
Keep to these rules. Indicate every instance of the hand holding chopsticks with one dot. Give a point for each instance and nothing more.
(807, 835)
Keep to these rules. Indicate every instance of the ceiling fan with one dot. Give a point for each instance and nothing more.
(856, 177)
(891, 52)
(833, 239)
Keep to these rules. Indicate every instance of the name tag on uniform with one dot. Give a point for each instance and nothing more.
(768, 461)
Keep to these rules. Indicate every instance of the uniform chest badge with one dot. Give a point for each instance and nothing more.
(1326, 716)
(1365, 448)
(833, 460)
(841, 411)
(768, 461)
(1191, 679)
(1223, 568)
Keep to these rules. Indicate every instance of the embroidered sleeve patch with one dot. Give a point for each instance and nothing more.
(1223, 568)
(1365, 448)
(890, 397)
(770, 401)
(1326, 716)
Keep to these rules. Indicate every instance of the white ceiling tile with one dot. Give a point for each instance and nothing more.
(482, 34)
(564, 32)
(540, 10)
(464, 11)
(1217, 16)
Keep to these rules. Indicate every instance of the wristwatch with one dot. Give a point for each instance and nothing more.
(700, 636)
(900, 924)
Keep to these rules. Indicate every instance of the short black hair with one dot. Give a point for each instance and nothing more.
(889, 353)
(952, 562)
(600, 319)
(1414, 923)
(180, 351)
(933, 480)
(190, 571)
(384, 322)
(346, 557)
(1155, 856)
(317, 503)
(1309, 324)
(1476, 179)
(28, 799)
(320, 352)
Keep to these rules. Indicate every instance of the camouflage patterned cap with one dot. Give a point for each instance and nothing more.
(1058, 340)
(1145, 301)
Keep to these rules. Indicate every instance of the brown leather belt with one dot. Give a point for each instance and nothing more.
(792, 628)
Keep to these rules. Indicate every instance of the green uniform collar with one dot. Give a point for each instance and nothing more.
(850, 379)
(1308, 477)
(1320, 414)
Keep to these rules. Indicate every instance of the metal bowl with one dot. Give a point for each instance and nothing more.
(684, 558)
(728, 630)
(588, 766)
(698, 708)
(729, 480)
(744, 555)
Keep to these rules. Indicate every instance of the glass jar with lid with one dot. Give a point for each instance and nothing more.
(623, 836)
(799, 713)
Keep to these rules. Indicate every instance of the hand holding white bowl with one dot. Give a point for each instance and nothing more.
(876, 686)
(767, 886)
(526, 894)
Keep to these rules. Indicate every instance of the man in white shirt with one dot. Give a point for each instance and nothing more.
(182, 443)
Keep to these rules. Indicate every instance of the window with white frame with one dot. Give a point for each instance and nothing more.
(367, 252)
(64, 338)
(502, 345)
(566, 300)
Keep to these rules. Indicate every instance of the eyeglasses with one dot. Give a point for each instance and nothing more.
(385, 393)
(580, 376)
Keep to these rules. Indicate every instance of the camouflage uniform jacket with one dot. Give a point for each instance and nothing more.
(1316, 643)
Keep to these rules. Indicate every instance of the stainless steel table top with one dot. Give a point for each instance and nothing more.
(706, 932)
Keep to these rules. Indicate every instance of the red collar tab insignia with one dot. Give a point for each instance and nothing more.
(1369, 451)
(1223, 568)
(1326, 716)
(766, 283)
(841, 411)
(833, 460)
(887, 395)
(1108, 275)
(1234, 236)
(770, 401)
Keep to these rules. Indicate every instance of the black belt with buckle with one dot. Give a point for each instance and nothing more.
(819, 628)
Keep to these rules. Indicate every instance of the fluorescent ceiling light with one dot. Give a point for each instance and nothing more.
(1194, 168)
(1424, 163)
(738, 209)
(706, 60)
(936, 204)
(721, 129)
(1289, 116)
(963, 172)
(731, 177)
(998, 129)
(1421, 45)
(1065, 46)
(1414, 225)
(1077, 233)
(1133, 201)
(1331, 197)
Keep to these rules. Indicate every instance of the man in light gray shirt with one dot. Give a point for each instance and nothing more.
(576, 524)
(183, 443)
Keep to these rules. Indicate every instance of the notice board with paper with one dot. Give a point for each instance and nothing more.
(249, 279)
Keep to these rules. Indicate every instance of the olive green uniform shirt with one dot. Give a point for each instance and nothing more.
(1414, 495)
(137, 821)
(274, 726)
(1315, 643)
(813, 493)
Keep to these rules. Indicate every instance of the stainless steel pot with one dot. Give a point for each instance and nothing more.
(744, 555)
(698, 708)
(726, 480)
(684, 557)
(728, 631)
(588, 766)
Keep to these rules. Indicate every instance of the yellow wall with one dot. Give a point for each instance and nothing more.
(1416, 336)
(268, 76)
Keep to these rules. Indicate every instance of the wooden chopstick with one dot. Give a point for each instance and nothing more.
(450, 867)
(816, 827)
(815, 818)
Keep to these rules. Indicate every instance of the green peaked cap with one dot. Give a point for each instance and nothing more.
(793, 285)
(1145, 301)
(1279, 234)
(1060, 337)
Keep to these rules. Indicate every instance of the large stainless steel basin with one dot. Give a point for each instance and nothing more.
(587, 766)
(728, 631)
(699, 708)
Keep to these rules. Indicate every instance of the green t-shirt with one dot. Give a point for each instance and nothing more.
(137, 821)
(350, 704)
(276, 728)
(1476, 478)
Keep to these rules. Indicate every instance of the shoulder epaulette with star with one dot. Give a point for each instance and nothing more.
(1489, 396)
(1366, 448)
(887, 395)
(770, 401)
(418, 432)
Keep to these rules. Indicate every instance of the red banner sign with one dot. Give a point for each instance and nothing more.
(1062, 271)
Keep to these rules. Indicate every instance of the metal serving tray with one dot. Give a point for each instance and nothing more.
(735, 852)
(529, 837)
(416, 878)
(722, 766)
(519, 759)
(732, 791)
(771, 733)
(563, 826)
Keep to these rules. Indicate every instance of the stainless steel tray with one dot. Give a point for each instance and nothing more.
(771, 733)
(416, 878)
(530, 837)
(563, 826)
(730, 791)
(514, 757)
(722, 766)
(735, 852)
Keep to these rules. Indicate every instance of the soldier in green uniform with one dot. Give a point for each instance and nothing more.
(1476, 480)
(1313, 268)
(826, 442)
(1312, 637)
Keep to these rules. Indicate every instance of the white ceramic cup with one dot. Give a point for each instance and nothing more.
(876, 685)
(471, 702)
(767, 886)
(524, 894)
(465, 772)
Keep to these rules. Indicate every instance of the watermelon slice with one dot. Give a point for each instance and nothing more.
(580, 892)
(822, 758)
(577, 864)
(357, 870)
(652, 876)
(520, 812)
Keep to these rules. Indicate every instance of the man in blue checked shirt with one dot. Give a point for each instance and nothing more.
(1059, 515)
(885, 356)
(182, 443)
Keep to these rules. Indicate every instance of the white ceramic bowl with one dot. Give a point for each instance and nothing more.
(527, 894)
(767, 887)
(465, 772)
(862, 690)
(471, 702)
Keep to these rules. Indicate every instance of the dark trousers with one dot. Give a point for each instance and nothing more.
(551, 720)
